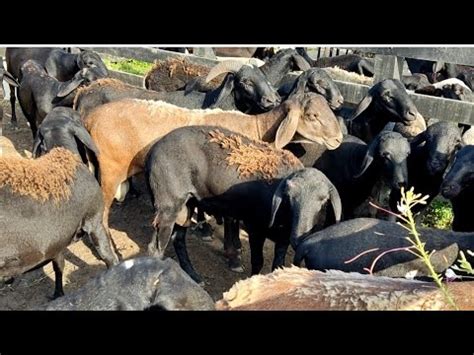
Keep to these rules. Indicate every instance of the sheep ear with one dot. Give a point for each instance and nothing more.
(276, 201)
(363, 105)
(369, 156)
(69, 87)
(287, 129)
(420, 138)
(81, 133)
(226, 88)
(301, 63)
(38, 141)
(301, 83)
(10, 79)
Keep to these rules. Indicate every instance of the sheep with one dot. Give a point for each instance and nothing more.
(244, 88)
(137, 123)
(297, 288)
(450, 88)
(355, 167)
(315, 80)
(350, 62)
(366, 243)
(228, 174)
(281, 64)
(415, 81)
(385, 101)
(39, 92)
(432, 151)
(10, 79)
(7, 148)
(50, 200)
(457, 186)
(62, 127)
(58, 63)
(143, 283)
(337, 73)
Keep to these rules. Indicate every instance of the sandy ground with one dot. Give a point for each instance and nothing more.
(131, 229)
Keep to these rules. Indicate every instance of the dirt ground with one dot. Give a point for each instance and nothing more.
(131, 229)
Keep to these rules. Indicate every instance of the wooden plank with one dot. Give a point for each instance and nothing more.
(151, 54)
(387, 67)
(456, 55)
(132, 79)
(444, 109)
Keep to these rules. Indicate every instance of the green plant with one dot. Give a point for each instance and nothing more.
(131, 66)
(408, 201)
(438, 214)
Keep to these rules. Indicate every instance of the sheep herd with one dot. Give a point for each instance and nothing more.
(271, 149)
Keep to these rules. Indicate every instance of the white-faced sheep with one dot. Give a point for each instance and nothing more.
(302, 289)
(137, 124)
(45, 202)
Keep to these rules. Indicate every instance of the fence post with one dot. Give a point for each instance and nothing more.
(387, 67)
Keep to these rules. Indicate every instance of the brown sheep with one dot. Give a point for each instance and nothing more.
(137, 124)
(7, 148)
(297, 288)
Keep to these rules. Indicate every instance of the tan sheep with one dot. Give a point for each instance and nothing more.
(125, 130)
(7, 149)
(48, 177)
(297, 288)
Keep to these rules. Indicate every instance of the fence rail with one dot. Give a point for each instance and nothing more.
(388, 65)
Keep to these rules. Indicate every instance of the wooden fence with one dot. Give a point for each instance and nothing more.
(388, 64)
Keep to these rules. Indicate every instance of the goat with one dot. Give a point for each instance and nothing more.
(432, 151)
(227, 174)
(368, 244)
(39, 92)
(50, 200)
(58, 63)
(303, 117)
(350, 62)
(297, 288)
(385, 101)
(355, 167)
(143, 283)
(315, 80)
(458, 187)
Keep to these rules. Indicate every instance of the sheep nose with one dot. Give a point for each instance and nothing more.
(411, 114)
(340, 100)
(401, 184)
(269, 102)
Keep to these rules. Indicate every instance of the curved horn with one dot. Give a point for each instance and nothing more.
(336, 203)
(227, 66)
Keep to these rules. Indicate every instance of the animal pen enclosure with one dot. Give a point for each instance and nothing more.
(388, 65)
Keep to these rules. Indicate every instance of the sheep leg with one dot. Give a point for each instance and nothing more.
(110, 180)
(179, 244)
(279, 254)
(203, 228)
(256, 253)
(14, 120)
(58, 267)
(231, 233)
(102, 240)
